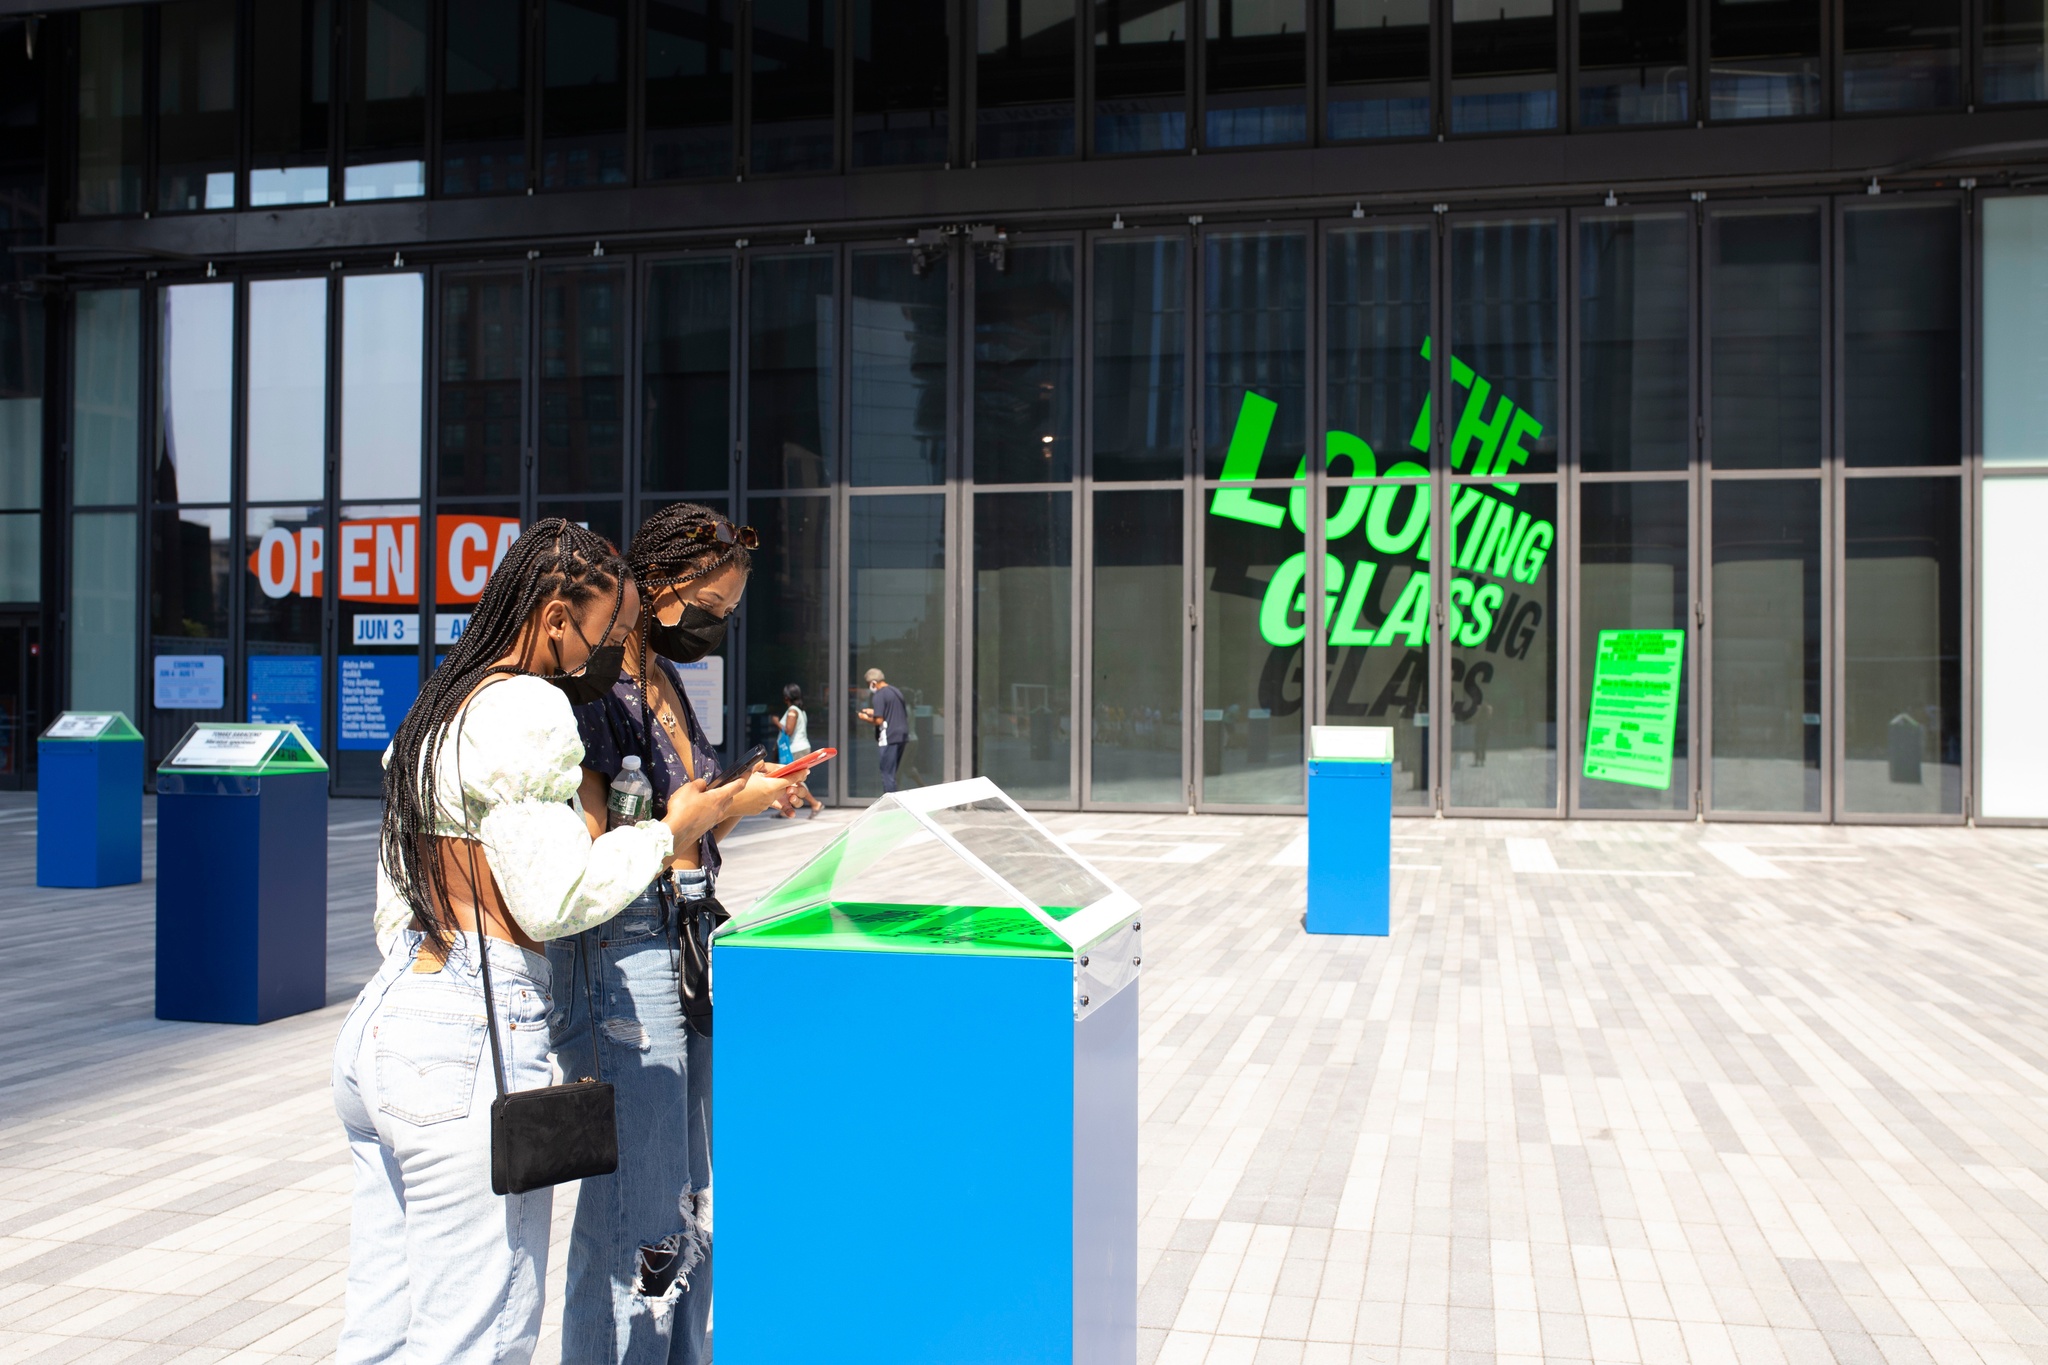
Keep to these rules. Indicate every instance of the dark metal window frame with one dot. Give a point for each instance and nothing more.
(962, 108)
(1818, 475)
(1202, 488)
(966, 52)
(961, 534)
(1087, 485)
(1569, 119)
(1829, 474)
(1835, 514)
(62, 496)
(1571, 523)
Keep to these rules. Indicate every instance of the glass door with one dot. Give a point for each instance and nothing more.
(902, 436)
(21, 712)
(1765, 577)
(1499, 504)
(1136, 681)
(1024, 382)
(1255, 305)
(1376, 636)
(1635, 643)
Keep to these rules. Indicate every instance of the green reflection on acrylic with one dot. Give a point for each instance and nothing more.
(858, 926)
(1489, 536)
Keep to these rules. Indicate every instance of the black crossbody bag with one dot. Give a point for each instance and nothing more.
(554, 1133)
(551, 1134)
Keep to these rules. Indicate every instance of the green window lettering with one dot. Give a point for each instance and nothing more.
(1465, 545)
(1346, 627)
(1283, 611)
(1241, 462)
(1535, 549)
(1487, 432)
(1379, 532)
(1410, 616)
(1486, 600)
(1503, 538)
(1460, 591)
(1513, 454)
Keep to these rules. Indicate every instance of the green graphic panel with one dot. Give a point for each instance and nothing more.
(1634, 716)
(856, 926)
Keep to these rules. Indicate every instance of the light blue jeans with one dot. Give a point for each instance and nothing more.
(440, 1270)
(639, 1284)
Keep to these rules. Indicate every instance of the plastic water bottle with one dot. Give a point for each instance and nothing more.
(632, 796)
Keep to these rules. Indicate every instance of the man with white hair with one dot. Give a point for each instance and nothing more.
(891, 719)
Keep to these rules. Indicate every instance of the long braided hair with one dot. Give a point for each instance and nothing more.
(673, 546)
(553, 559)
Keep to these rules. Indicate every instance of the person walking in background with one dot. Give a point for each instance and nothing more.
(891, 718)
(792, 742)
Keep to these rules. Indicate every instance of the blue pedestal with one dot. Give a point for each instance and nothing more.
(241, 896)
(89, 812)
(1350, 844)
(923, 1159)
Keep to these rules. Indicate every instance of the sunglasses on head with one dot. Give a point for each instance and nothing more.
(725, 533)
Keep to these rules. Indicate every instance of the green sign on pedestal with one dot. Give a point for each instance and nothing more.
(1635, 707)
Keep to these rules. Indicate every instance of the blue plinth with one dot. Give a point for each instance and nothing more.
(923, 1160)
(89, 811)
(241, 896)
(1350, 845)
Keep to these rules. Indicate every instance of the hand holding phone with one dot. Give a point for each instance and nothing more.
(738, 770)
(804, 764)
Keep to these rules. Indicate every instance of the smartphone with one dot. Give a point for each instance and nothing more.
(738, 770)
(804, 764)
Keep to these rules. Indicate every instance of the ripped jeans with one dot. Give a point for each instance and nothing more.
(639, 1283)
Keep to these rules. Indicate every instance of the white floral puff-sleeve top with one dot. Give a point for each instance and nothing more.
(506, 776)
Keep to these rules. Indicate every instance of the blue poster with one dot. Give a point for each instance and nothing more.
(286, 687)
(376, 692)
(190, 682)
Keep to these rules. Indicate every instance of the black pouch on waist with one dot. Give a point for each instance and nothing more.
(696, 922)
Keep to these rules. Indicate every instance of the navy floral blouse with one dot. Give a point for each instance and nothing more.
(622, 724)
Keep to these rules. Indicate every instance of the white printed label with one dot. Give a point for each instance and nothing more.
(704, 687)
(449, 625)
(79, 725)
(211, 748)
(387, 630)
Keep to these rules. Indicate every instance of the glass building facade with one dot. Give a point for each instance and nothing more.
(1067, 378)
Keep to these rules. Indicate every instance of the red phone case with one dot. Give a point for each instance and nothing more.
(806, 763)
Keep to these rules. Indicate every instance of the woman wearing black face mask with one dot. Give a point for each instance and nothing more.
(483, 861)
(639, 1284)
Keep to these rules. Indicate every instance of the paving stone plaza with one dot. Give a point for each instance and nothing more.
(1610, 1092)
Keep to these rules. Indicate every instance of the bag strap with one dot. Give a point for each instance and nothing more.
(483, 949)
(490, 996)
(483, 940)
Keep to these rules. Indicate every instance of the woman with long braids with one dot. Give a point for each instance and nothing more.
(483, 852)
(639, 1287)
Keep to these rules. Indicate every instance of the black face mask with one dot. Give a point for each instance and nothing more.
(695, 634)
(596, 678)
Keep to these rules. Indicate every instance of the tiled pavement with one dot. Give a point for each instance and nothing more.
(1624, 1092)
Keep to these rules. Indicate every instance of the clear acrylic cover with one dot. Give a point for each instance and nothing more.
(940, 855)
(243, 747)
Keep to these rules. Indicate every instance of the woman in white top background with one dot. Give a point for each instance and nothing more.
(793, 741)
(483, 850)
